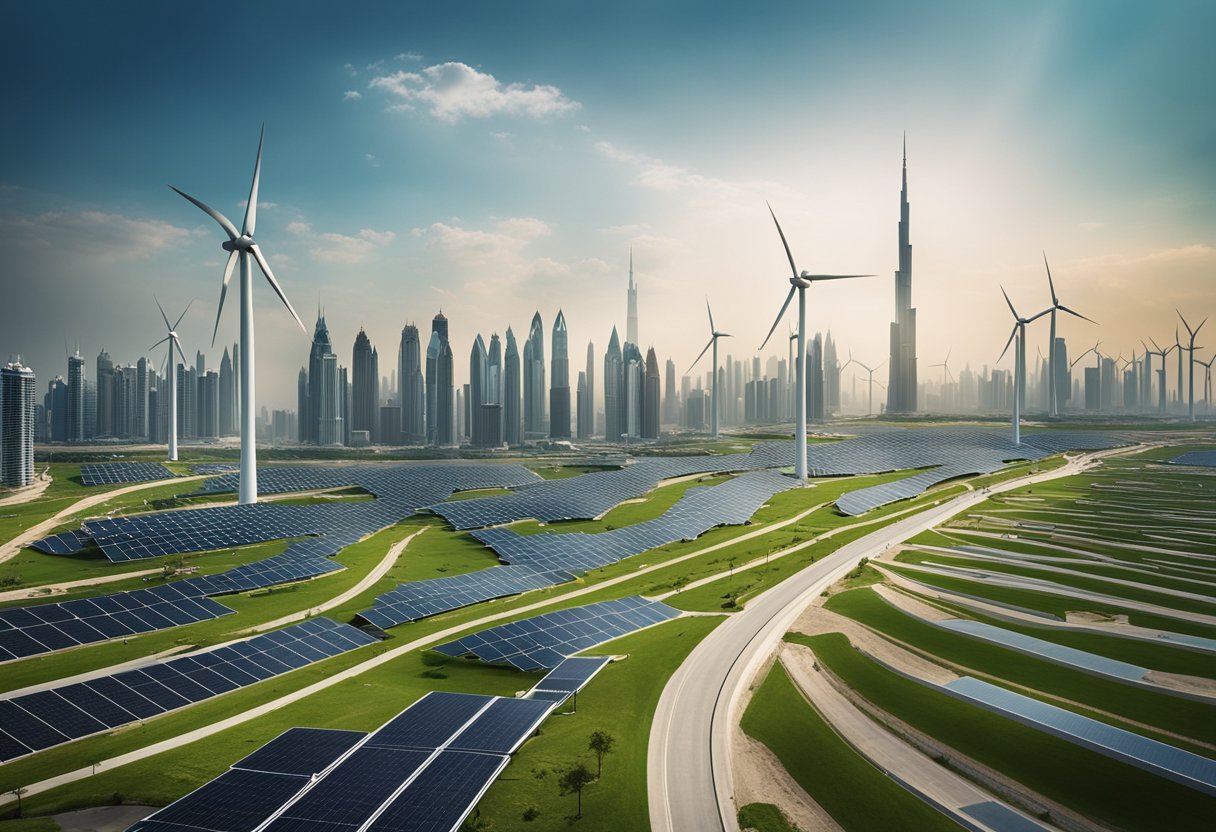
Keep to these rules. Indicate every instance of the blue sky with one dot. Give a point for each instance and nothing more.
(496, 158)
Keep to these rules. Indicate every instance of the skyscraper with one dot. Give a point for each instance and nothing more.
(614, 381)
(631, 318)
(534, 379)
(321, 346)
(634, 388)
(831, 377)
(511, 424)
(56, 405)
(901, 386)
(559, 391)
(445, 394)
(105, 395)
(590, 385)
(434, 348)
(228, 418)
(651, 397)
(329, 398)
(365, 399)
(18, 411)
(479, 361)
(411, 385)
(671, 404)
(302, 402)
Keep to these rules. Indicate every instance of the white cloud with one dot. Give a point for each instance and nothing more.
(453, 91)
(263, 205)
(299, 228)
(371, 159)
(352, 95)
(350, 70)
(94, 234)
(340, 248)
(408, 56)
(500, 135)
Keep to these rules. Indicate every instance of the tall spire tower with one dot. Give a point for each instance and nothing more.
(631, 320)
(901, 389)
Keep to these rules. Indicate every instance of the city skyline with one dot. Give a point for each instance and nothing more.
(534, 134)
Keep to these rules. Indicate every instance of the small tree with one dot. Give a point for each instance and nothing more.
(680, 582)
(601, 743)
(20, 790)
(574, 780)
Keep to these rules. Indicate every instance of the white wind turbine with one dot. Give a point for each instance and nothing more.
(871, 382)
(1019, 378)
(1190, 350)
(714, 335)
(171, 367)
(946, 374)
(241, 246)
(799, 282)
(1052, 394)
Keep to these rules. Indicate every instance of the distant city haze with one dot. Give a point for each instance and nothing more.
(493, 161)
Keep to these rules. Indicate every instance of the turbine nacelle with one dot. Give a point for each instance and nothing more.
(241, 243)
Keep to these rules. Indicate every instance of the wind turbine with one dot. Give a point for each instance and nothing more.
(1019, 380)
(789, 365)
(1190, 349)
(714, 335)
(241, 246)
(1207, 382)
(1161, 373)
(1054, 406)
(171, 366)
(1097, 365)
(871, 382)
(799, 282)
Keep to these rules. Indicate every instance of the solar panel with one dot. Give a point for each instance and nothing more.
(544, 641)
(301, 751)
(429, 722)
(50, 717)
(1156, 757)
(1045, 649)
(236, 801)
(442, 795)
(116, 473)
(573, 674)
(502, 727)
(1205, 459)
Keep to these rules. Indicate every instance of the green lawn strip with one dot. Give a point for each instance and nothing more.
(857, 795)
(1117, 794)
(1094, 584)
(1149, 654)
(764, 817)
(28, 824)
(621, 700)
(1187, 717)
(1057, 605)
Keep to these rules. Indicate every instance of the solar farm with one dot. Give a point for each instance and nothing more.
(403, 659)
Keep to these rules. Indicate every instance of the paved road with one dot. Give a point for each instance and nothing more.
(690, 782)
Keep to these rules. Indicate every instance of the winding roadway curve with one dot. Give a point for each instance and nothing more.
(689, 780)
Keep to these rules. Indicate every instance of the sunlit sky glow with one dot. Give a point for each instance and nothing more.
(493, 158)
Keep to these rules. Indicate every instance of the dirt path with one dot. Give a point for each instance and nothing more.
(46, 591)
(30, 492)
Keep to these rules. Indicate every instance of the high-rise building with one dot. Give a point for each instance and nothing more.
(614, 394)
(411, 386)
(104, 425)
(631, 317)
(512, 426)
(228, 417)
(559, 390)
(56, 405)
(187, 402)
(209, 404)
(831, 377)
(651, 398)
(901, 386)
(302, 402)
(329, 400)
(445, 395)
(584, 414)
(590, 383)
(534, 379)
(365, 399)
(479, 360)
(310, 427)
(671, 402)
(634, 389)
(18, 413)
(1063, 379)
(437, 406)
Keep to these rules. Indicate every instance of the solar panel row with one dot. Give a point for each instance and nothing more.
(568, 678)
(116, 473)
(1206, 459)
(545, 641)
(40, 720)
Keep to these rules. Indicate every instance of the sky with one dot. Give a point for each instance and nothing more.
(493, 159)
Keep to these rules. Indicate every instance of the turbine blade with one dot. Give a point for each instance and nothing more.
(1038, 315)
(181, 350)
(223, 292)
(224, 222)
(947, 361)
(1008, 301)
(788, 253)
(251, 209)
(1012, 335)
(784, 307)
(1064, 308)
(1051, 284)
(814, 277)
(265, 267)
(158, 343)
(702, 355)
(184, 311)
(163, 316)
(711, 316)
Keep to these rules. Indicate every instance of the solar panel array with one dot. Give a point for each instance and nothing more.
(423, 770)
(1156, 757)
(400, 490)
(1206, 459)
(117, 473)
(418, 599)
(568, 678)
(29, 631)
(40, 720)
(211, 468)
(697, 511)
(1048, 650)
(545, 641)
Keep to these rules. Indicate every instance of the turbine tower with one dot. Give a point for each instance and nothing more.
(714, 335)
(871, 381)
(1161, 392)
(240, 245)
(1207, 383)
(1054, 405)
(1190, 351)
(946, 374)
(171, 366)
(799, 282)
(1019, 377)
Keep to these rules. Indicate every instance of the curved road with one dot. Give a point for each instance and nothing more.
(690, 783)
